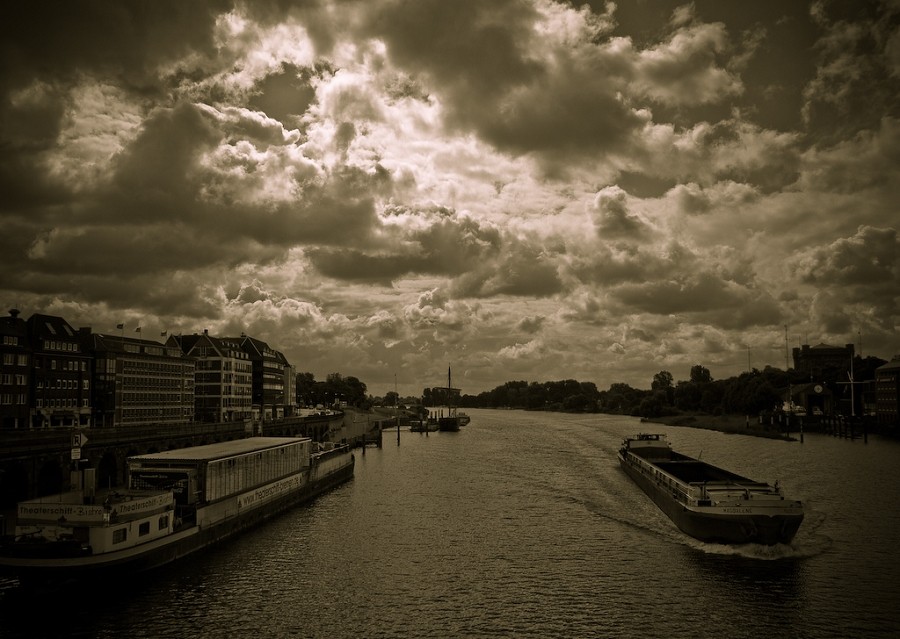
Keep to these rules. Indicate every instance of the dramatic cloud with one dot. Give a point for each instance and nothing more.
(523, 188)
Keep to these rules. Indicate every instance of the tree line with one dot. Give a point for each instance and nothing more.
(749, 393)
(564, 395)
(335, 389)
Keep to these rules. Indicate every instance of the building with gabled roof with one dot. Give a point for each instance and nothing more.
(223, 377)
(61, 374)
(270, 368)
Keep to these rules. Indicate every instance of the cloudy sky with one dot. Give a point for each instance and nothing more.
(522, 189)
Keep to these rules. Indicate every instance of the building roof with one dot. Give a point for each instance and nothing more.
(51, 326)
(12, 324)
(120, 344)
(219, 450)
(892, 365)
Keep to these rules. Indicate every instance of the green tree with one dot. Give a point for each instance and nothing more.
(664, 382)
(687, 396)
(306, 389)
(700, 374)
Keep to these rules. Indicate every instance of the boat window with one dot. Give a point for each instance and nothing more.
(144, 529)
(163, 522)
(120, 535)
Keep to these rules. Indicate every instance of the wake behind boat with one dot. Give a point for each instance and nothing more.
(176, 502)
(707, 502)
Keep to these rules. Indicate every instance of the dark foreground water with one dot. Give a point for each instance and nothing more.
(523, 525)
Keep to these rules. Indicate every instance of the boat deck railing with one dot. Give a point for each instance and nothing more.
(703, 492)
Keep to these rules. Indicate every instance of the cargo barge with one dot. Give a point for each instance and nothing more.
(706, 502)
(176, 502)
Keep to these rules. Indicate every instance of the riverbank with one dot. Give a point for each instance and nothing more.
(722, 423)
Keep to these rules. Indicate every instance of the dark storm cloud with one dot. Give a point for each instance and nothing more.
(284, 95)
(155, 177)
(54, 40)
(161, 177)
(703, 297)
(479, 59)
(613, 219)
(857, 77)
(523, 269)
(448, 246)
(46, 47)
(29, 125)
(867, 263)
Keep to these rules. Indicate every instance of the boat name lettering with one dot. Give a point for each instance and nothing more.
(269, 491)
(78, 512)
(737, 511)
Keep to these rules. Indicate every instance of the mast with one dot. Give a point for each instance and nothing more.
(451, 410)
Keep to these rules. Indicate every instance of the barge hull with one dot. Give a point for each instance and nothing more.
(718, 527)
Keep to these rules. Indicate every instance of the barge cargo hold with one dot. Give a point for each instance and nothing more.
(706, 502)
(176, 503)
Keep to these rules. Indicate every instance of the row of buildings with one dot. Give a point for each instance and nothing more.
(52, 375)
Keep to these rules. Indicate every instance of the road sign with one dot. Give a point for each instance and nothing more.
(79, 440)
(76, 454)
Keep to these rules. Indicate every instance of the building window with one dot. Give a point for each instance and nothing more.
(120, 535)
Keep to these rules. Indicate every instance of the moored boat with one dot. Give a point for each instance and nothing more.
(453, 420)
(176, 502)
(450, 423)
(707, 502)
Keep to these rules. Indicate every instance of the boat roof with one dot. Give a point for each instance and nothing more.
(210, 452)
(645, 437)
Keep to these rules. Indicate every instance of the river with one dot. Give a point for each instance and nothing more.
(523, 525)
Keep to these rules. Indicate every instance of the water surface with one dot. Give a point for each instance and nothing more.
(523, 525)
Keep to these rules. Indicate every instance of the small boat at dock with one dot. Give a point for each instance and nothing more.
(707, 502)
